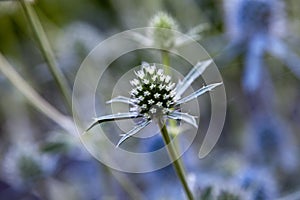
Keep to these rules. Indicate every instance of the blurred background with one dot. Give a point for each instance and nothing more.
(255, 44)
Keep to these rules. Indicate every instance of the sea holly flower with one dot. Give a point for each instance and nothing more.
(162, 33)
(163, 30)
(155, 96)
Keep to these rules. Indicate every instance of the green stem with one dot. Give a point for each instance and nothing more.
(172, 123)
(176, 160)
(34, 98)
(166, 61)
(45, 48)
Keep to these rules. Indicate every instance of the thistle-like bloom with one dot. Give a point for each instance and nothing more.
(155, 96)
(163, 30)
(162, 33)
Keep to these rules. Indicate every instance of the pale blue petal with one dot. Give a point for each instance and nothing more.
(133, 131)
(198, 93)
(119, 116)
(121, 99)
(197, 70)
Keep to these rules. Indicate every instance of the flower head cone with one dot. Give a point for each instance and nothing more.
(153, 92)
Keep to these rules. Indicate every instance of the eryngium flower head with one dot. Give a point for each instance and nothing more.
(153, 92)
(155, 96)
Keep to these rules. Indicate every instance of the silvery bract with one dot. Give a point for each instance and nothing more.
(155, 96)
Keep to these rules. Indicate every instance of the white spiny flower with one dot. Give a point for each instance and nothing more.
(156, 95)
(153, 110)
(146, 93)
(151, 69)
(141, 98)
(140, 74)
(157, 98)
(160, 72)
(163, 30)
(151, 101)
(165, 111)
(134, 92)
(165, 96)
(152, 85)
(167, 79)
(154, 78)
(159, 104)
(162, 78)
(169, 103)
(170, 86)
(135, 82)
(161, 87)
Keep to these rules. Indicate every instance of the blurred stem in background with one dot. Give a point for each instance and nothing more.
(63, 121)
(174, 158)
(46, 50)
(34, 98)
(61, 81)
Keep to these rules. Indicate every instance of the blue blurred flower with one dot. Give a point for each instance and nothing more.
(213, 186)
(270, 143)
(24, 165)
(259, 182)
(257, 27)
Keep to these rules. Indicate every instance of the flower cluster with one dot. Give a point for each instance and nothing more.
(153, 92)
(155, 96)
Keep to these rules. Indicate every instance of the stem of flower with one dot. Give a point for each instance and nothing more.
(166, 61)
(47, 53)
(176, 160)
(34, 98)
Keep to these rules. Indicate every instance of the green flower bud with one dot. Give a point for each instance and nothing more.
(163, 34)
